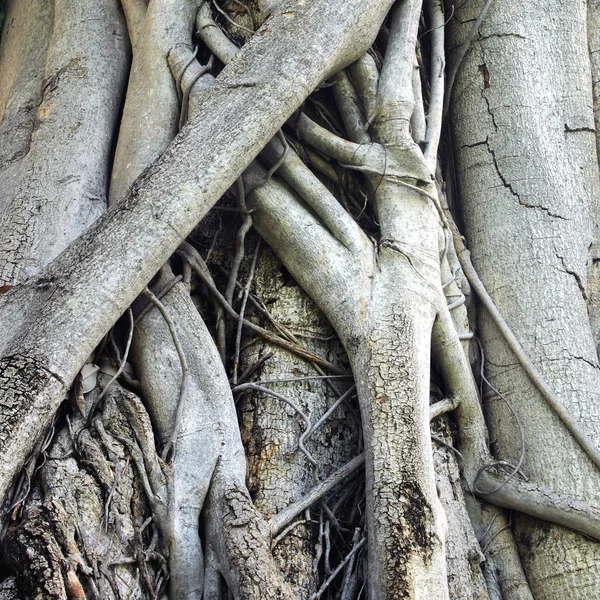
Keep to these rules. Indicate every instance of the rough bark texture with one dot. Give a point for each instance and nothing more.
(48, 198)
(279, 473)
(378, 322)
(139, 235)
(463, 553)
(593, 283)
(140, 488)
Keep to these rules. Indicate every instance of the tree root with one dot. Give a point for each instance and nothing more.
(208, 422)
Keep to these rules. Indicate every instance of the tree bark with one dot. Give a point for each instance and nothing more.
(526, 210)
(133, 240)
(120, 494)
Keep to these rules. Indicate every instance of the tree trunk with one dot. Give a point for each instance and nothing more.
(528, 179)
(213, 443)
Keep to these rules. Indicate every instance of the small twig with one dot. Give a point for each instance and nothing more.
(432, 197)
(441, 407)
(507, 526)
(180, 76)
(327, 538)
(307, 378)
(183, 112)
(547, 393)
(254, 366)
(329, 412)
(318, 545)
(240, 324)
(450, 447)
(228, 18)
(19, 494)
(253, 386)
(357, 546)
(266, 334)
(458, 302)
(184, 371)
(331, 518)
(452, 9)
(239, 241)
(274, 168)
(489, 527)
(285, 516)
(163, 291)
(244, 8)
(123, 359)
(327, 116)
(350, 579)
(517, 467)
(113, 489)
(216, 235)
(445, 284)
(286, 531)
(213, 36)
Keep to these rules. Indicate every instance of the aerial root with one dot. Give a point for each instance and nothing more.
(485, 476)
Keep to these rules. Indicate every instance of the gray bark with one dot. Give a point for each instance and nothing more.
(79, 509)
(49, 197)
(527, 213)
(175, 193)
(279, 472)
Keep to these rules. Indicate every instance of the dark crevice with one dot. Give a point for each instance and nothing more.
(575, 275)
(594, 365)
(509, 187)
(487, 103)
(474, 145)
(579, 129)
(502, 35)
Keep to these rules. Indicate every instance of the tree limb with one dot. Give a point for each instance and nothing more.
(272, 75)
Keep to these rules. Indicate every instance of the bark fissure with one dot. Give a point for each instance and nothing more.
(510, 188)
(361, 223)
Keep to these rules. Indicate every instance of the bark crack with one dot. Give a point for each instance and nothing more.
(510, 188)
(502, 35)
(575, 275)
(486, 84)
(482, 68)
(579, 129)
(592, 364)
(475, 144)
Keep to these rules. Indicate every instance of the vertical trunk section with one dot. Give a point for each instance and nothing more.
(405, 522)
(63, 187)
(279, 473)
(523, 131)
(463, 553)
(593, 287)
(25, 38)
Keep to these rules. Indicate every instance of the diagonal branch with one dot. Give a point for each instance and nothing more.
(310, 188)
(303, 44)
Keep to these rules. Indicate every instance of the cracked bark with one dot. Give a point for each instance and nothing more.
(519, 248)
(176, 191)
(386, 327)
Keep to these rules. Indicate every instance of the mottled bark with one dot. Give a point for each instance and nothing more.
(279, 472)
(50, 197)
(349, 197)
